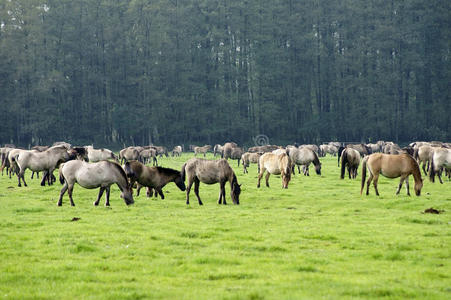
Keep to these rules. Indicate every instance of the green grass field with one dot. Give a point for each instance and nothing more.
(317, 239)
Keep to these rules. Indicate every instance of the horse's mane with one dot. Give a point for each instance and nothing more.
(168, 171)
(119, 169)
(316, 159)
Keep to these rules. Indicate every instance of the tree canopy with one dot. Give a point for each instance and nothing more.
(115, 72)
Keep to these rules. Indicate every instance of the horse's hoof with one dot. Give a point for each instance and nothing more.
(59, 204)
(95, 203)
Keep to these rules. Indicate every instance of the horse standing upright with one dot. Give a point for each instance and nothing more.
(391, 166)
(440, 159)
(350, 158)
(275, 164)
(304, 156)
(199, 170)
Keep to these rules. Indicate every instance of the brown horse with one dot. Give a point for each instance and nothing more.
(275, 164)
(248, 158)
(152, 177)
(350, 158)
(211, 171)
(391, 166)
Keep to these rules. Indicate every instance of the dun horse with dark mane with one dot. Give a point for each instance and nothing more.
(211, 171)
(391, 166)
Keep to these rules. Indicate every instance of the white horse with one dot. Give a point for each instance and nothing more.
(47, 160)
(440, 158)
(95, 155)
(93, 175)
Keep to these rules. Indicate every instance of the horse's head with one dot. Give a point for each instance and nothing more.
(127, 195)
(236, 191)
(180, 182)
(318, 169)
(418, 186)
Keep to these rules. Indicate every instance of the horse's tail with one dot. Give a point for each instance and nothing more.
(431, 168)
(60, 173)
(363, 174)
(183, 172)
(344, 161)
(415, 154)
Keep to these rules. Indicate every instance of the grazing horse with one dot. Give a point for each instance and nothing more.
(152, 177)
(93, 175)
(47, 160)
(350, 158)
(248, 158)
(199, 170)
(95, 155)
(148, 154)
(236, 153)
(304, 156)
(129, 153)
(391, 166)
(202, 150)
(440, 158)
(177, 151)
(227, 149)
(275, 164)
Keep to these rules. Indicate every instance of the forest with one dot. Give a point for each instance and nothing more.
(135, 72)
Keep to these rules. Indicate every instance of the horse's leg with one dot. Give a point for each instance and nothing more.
(107, 196)
(260, 175)
(224, 194)
(424, 169)
(407, 186)
(46, 176)
(439, 175)
(267, 178)
(63, 190)
(160, 192)
(299, 169)
(149, 192)
(69, 191)
(400, 184)
(188, 189)
(221, 192)
(32, 174)
(196, 189)
(22, 175)
(99, 196)
(376, 178)
(138, 188)
(368, 182)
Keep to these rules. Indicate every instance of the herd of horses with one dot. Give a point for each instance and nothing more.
(100, 168)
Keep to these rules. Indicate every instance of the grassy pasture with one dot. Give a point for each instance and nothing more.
(317, 239)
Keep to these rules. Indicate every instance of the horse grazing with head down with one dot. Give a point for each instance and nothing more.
(391, 166)
(304, 156)
(275, 164)
(152, 177)
(199, 170)
(93, 175)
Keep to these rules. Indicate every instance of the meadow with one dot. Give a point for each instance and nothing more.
(317, 239)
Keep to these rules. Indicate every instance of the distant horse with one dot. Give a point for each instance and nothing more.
(147, 155)
(41, 161)
(280, 151)
(304, 156)
(211, 171)
(177, 151)
(248, 158)
(161, 150)
(391, 166)
(362, 148)
(422, 155)
(440, 159)
(218, 149)
(236, 153)
(91, 176)
(350, 158)
(203, 150)
(129, 153)
(227, 149)
(95, 155)
(152, 177)
(275, 164)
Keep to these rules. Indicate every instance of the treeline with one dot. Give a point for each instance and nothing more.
(117, 72)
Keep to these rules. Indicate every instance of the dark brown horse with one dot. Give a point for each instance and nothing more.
(152, 177)
(350, 158)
